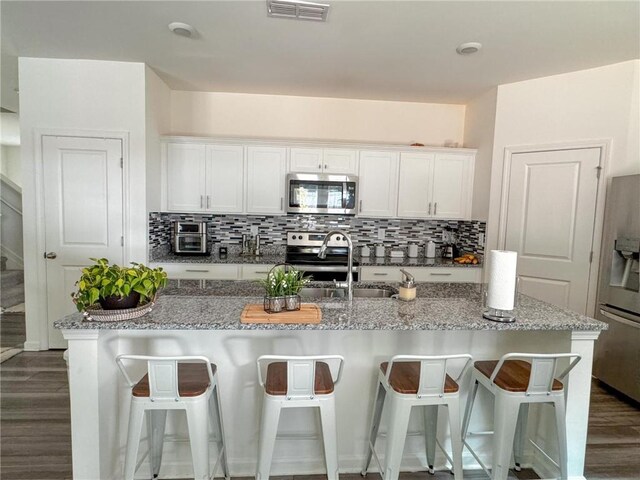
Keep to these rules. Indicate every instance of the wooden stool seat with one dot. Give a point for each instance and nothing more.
(513, 376)
(276, 382)
(405, 378)
(193, 380)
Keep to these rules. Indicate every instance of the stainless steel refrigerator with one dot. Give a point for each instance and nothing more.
(617, 353)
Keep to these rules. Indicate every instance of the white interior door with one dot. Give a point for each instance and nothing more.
(550, 221)
(83, 206)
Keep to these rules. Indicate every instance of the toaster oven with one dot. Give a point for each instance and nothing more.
(189, 238)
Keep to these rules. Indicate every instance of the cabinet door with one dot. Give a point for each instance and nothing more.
(185, 174)
(416, 185)
(225, 178)
(266, 170)
(378, 184)
(342, 161)
(306, 160)
(380, 274)
(452, 185)
(200, 271)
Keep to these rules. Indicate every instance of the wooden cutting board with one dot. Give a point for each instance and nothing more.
(308, 313)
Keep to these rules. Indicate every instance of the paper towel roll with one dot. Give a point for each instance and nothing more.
(502, 279)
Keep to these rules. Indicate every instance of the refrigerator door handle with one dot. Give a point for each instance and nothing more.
(622, 317)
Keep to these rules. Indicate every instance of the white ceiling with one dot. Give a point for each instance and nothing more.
(390, 50)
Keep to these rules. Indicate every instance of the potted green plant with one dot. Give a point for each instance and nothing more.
(282, 286)
(117, 287)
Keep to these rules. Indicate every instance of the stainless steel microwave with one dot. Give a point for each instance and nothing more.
(322, 193)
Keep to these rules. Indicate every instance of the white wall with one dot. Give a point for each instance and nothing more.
(599, 103)
(158, 122)
(10, 164)
(249, 115)
(479, 129)
(80, 97)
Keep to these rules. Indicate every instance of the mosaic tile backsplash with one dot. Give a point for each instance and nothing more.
(228, 229)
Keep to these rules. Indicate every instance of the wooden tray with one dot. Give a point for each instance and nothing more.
(308, 313)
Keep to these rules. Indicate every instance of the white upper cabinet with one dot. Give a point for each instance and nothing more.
(225, 178)
(266, 170)
(415, 187)
(452, 185)
(186, 177)
(306, 160)
(342, 161)
(327, 160)
(378, 182)
(204, 178)
(435, 185)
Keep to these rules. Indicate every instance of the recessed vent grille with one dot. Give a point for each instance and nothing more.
(297, 9)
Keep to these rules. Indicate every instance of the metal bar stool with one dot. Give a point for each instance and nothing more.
(294, 382)
(515, 384)
(187, 383)
(416, 381)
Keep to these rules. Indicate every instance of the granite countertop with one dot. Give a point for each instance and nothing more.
(273, 258)
(185, 305)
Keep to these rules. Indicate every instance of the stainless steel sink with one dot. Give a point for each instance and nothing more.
(318, 292)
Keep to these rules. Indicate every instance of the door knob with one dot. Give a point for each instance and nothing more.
(50, 255)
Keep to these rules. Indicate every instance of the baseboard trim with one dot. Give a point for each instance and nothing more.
(31, 346)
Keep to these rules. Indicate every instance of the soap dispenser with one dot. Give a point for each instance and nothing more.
(407, 287)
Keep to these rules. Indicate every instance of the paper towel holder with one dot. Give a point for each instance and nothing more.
(498, 315)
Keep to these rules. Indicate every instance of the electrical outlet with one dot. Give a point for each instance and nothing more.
(381, 232)
(254, 229)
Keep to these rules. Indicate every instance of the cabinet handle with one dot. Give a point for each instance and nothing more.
(435, 208)
(377, 274)
(440, 274)
(319, 166)
(208, 201)
(429, 208)
(260, 271)
(360, 206)
(325, 166)
(196, 271)
(201, 201)
(281, 203)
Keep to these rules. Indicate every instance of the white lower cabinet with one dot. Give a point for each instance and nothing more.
(200, 271)
(422, 274)
(214, 271)
(254, 272)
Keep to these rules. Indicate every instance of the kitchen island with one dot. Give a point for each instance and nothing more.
(203, 318)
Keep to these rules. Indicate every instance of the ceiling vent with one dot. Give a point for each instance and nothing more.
(297, 9)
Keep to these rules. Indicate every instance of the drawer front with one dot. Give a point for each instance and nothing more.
(380, 274)
(200, 271)
(423, 274)
(447, 275)
(255, 272)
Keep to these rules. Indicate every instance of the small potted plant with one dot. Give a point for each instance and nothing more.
(282, 285)
(117, 287)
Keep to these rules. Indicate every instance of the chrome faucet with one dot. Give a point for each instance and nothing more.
(323, 254)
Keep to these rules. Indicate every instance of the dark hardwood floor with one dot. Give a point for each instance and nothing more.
(35, 434)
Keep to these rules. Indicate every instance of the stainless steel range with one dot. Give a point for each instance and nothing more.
(303, 249)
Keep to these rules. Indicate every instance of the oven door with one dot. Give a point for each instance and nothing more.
(311, 193)
(190, 244)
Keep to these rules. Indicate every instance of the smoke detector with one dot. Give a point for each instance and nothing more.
(468, 48)
(297, 9)
(182, 29)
